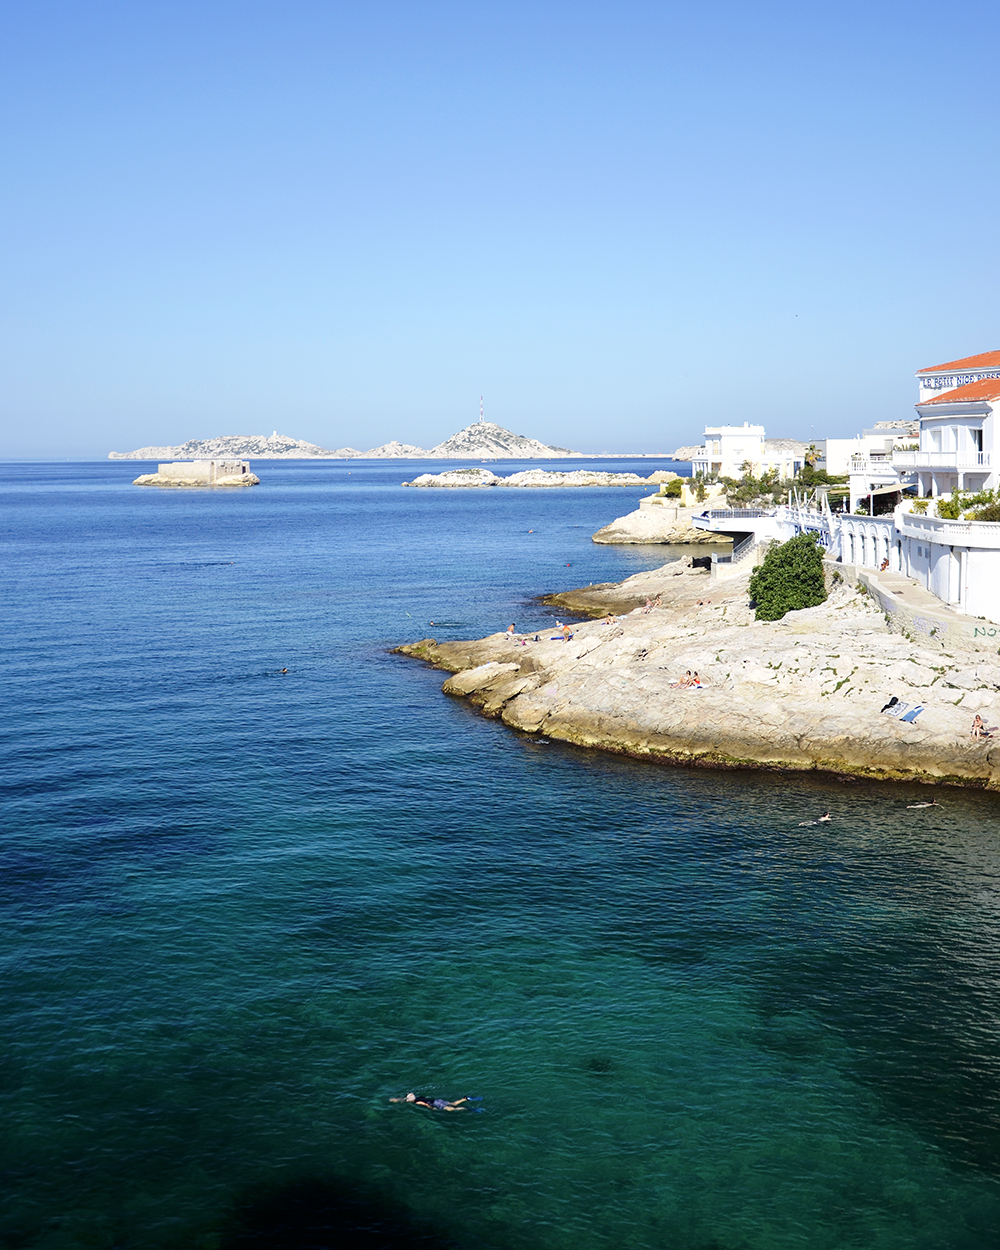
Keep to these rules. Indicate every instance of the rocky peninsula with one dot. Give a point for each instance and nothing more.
(802, 694)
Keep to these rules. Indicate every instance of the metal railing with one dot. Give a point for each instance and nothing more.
(737, 514)
(739, 552)
(941, 459)
(873, 464)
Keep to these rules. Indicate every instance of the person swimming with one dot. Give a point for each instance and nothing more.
(436, 1104)
(912, 807)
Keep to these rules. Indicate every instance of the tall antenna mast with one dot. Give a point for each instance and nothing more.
(480, 409)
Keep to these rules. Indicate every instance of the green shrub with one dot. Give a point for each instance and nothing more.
(672, 489)
(951, 509)
(991, 512)
(920, 506)
(790, 578)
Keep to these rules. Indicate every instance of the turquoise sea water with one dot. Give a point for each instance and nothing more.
(240, 910)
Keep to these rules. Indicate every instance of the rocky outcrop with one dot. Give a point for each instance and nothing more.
(803, 694)
(576, 477)
(656, 523)
(538, 477)
(159, 479)
(457, 477)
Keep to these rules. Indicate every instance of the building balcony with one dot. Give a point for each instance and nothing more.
(907, 461)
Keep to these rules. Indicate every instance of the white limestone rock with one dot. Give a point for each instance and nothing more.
(157, 479)
(574, 477)
(805, 693)
(656, 524)
(456, 477)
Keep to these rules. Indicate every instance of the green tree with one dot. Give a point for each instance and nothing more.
(790, 578)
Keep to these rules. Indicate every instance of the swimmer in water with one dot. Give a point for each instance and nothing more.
(434, 1104)
(912, 807)
(826, 816)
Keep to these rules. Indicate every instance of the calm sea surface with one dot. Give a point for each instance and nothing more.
(241, 909)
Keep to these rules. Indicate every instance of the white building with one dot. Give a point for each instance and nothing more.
(728, 447)
(836, 454)
(957, 432)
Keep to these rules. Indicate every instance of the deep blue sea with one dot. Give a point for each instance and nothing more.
(242, 909)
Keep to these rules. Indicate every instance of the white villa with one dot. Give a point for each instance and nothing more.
(728, 447)
(956, 408)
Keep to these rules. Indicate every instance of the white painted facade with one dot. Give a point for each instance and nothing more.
(956, 405)
(728, 447)
(203, 470)
(957, 446)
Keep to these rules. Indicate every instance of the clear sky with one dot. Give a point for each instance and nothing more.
(618, 221)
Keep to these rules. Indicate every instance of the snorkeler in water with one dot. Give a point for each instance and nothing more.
(437, 1104)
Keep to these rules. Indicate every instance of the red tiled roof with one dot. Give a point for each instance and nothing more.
(986, 388)
(985, 360)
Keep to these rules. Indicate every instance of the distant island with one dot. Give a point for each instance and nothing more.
(481, 440)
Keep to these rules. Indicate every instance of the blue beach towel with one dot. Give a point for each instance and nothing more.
(912, 716)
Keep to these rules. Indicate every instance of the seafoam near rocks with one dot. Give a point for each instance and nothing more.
(803, 693)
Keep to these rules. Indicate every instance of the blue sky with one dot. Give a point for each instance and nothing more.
(617, 221)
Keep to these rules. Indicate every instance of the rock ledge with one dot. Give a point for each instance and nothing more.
(804, 693)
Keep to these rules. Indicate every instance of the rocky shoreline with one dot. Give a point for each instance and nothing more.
(657, 522)
(801, 694)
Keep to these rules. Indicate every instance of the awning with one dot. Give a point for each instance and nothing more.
(883, 490)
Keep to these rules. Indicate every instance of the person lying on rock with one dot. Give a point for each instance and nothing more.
(684, 682)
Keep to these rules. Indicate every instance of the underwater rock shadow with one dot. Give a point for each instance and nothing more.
(320, 1213)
